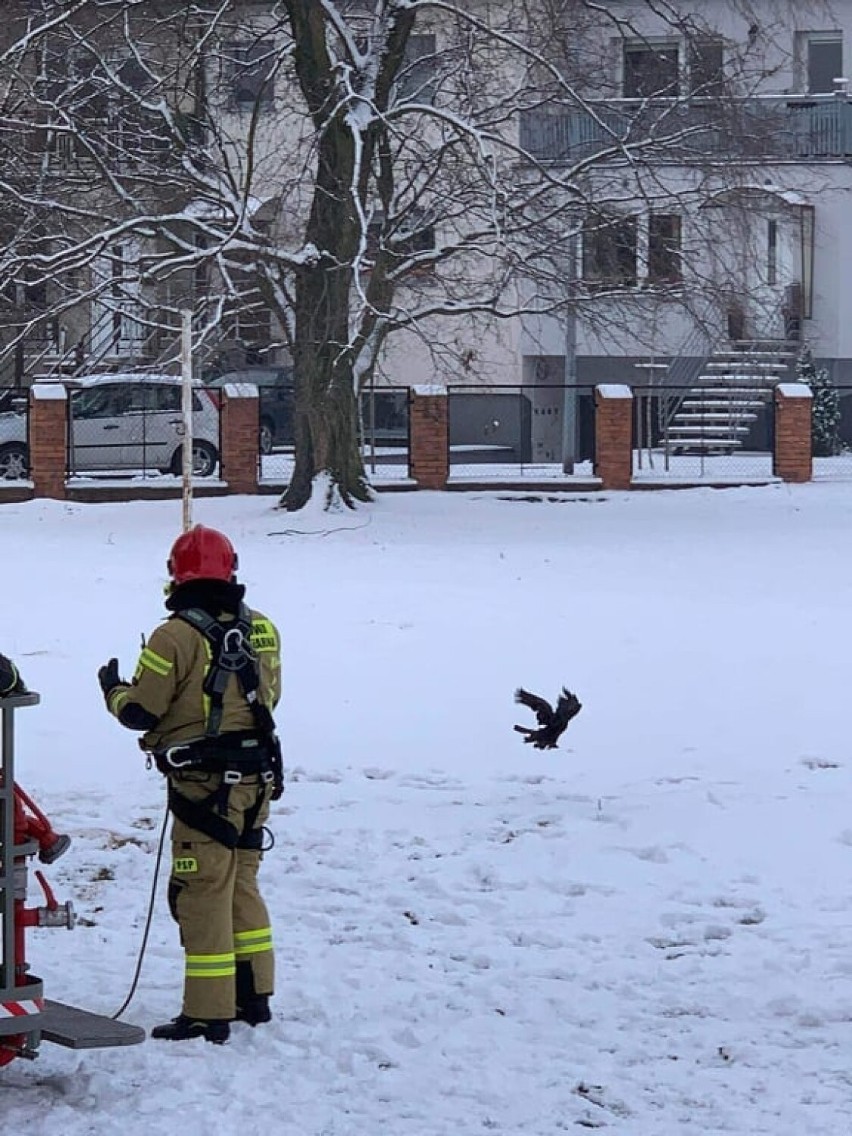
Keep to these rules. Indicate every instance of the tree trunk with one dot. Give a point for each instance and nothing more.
(326, 405)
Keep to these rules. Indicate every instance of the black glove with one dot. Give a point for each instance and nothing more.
(109, 677)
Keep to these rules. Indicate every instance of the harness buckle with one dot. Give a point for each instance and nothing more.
(267, 777)
(169, 758)
(232, 777)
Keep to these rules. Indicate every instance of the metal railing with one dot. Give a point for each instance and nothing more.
(500, 433)
(133, 430)
(383, 432)
(731, 443)
(14, 435)
(832, 449)
(814, 127)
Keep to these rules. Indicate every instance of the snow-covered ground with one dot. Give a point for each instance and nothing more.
(647, 931)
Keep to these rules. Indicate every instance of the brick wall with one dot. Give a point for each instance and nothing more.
(240, 428)
(429, 434)
(48, 433)
(793, 457)
(614, 436)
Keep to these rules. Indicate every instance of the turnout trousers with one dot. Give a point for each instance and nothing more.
(215, 899)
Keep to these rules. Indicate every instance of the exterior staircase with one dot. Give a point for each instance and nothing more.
(716, 415)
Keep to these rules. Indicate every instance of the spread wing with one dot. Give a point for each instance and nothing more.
(543, 710)
(567, 707)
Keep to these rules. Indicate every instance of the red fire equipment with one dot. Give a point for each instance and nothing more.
(26, 1017)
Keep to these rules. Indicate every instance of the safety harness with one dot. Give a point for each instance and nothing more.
(233, 755)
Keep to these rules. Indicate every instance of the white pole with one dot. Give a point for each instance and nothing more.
(186, 412)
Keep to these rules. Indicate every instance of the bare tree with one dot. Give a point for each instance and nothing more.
(358, 170)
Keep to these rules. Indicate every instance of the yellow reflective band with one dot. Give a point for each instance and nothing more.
(154, 662)
(185, 864)
(211, 972)
(252, 942)
(117, 699)
(206, 704)
(246, 936)
(211, 966)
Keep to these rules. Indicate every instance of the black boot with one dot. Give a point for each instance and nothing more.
(255, 1011)
(252, 1008)
(183, 1028)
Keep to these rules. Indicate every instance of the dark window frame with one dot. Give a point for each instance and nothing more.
(610, 252)
(706, 67)
(818, 77)
(650, 70)
(249, 73)
(417, 78)
(665, 248)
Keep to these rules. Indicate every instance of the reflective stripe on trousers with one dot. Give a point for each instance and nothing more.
(252, 942)
(211, 966)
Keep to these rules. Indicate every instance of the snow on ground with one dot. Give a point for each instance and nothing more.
(647, 931)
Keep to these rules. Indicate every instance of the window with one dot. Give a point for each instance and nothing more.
(664, 248)
(772, 252)
(609, 252)
(706, 67)
(102, 97)
(250, 73)
(650, 70)
(416, 80)
(824, 61)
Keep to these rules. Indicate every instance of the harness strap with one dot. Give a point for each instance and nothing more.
(231, 655)
(207, 815)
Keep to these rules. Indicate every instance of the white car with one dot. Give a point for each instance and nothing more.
(124, 422)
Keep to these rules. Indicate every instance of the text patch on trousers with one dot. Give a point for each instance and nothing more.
(184, 865)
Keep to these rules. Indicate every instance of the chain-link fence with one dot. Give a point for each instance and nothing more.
(688, 433)
(832, 435)
(383, 429)
(133, 426)
(14, 434)
(505, 432)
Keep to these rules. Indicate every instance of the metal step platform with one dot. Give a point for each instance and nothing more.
(80, 1029)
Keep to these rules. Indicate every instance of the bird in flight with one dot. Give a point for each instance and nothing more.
(551, 723)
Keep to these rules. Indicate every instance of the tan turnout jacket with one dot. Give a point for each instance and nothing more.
(169, 679)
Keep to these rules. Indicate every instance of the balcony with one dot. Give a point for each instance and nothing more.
(815, 128)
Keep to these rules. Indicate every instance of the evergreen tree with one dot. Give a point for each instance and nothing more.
(825, 411)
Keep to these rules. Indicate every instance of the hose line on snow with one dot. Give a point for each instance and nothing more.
(148, 919)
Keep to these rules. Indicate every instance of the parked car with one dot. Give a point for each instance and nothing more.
(275, 395)
(123, 422)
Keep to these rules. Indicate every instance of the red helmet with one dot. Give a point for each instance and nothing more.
(202, 554)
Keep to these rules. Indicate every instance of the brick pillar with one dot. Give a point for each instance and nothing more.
(793, 456)
(48, 439)
(240, 427)
(429, 459)
(614, 435)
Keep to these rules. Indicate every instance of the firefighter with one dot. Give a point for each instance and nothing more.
(203, 692)
(10, 681)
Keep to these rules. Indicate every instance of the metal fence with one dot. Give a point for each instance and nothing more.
(134, 428)
(814, 127)
(529, 432)
(14, 434)
(689, 433)
(383, 434)
(833, 453)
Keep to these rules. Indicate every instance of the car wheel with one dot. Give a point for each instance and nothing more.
(14, 462)
(204, 459)
(267, 435)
